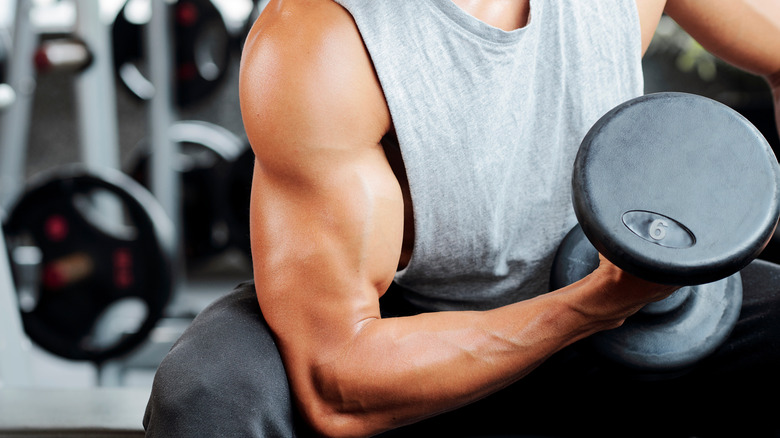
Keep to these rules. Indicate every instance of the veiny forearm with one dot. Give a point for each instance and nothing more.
(400, 370)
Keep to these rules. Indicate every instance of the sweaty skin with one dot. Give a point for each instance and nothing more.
(331, 223)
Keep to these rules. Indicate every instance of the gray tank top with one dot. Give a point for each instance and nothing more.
(488, 123)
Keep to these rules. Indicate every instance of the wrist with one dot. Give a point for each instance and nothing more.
(594, 301)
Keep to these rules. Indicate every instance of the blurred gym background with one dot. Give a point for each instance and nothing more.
(206, 125)
(209, 158)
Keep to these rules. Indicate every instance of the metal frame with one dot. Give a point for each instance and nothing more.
(15, 119)
(14, 344)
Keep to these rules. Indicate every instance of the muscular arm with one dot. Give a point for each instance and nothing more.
(327, 229)
(745, 33)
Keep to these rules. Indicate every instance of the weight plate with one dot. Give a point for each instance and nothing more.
(91, 253)
(206, 155)
(575, 259)
(694, 327)
(665, 336)
(676, 188)
(201, 49)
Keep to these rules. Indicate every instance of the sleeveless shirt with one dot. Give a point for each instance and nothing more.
(488, 123)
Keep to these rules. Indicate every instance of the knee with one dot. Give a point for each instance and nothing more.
(181, 402)
(193, 395)
(224, 377)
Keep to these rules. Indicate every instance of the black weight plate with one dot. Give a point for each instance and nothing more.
(665, 336)
(575, 259)
(676, 188)
(204, 162)
(665, 342)
(91, 259)
(201, 49)
(129, 54)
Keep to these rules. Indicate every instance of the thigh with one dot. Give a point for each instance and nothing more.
(577, 393)
(223, 377)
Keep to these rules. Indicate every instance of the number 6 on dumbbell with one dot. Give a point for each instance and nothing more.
(658, 229)
(676, 189)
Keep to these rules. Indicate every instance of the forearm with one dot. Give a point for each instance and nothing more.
(399, 370)
(745, 33)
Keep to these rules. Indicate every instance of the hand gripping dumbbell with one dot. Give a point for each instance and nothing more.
(675, 189)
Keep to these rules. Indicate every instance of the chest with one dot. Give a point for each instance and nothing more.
(502, 14)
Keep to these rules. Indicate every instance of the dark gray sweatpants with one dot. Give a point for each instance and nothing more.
(224, 378)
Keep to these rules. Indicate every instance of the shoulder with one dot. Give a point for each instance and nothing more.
(297, 24)
(306, 73)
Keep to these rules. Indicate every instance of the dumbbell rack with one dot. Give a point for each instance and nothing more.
(94, 87)
(98, 134)
(164, 184)
(96, 101)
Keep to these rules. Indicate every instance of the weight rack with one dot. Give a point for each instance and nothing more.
(96, 105)
(98, 133)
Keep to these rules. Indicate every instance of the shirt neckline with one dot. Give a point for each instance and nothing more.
(481, 29)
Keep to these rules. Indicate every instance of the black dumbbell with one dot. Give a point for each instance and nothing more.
(675, 189)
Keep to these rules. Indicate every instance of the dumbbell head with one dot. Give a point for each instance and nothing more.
(676, 188)
(664, 337)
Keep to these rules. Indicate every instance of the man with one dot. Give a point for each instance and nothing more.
(430, 143)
